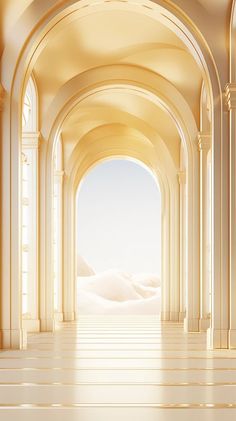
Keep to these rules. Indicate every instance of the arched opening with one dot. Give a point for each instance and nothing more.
(87, 82)
(173, 21)
(118, 223)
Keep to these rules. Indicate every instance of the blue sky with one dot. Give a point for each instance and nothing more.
(119, 218)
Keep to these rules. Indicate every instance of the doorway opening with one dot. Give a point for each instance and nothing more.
(118, 240)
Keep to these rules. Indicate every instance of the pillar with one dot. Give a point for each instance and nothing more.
(221, 290)
(165, 241)
(69, 248)
(182, 183)
(174, 253)
(231, 102)
(204, 143)
(58, 241)
(46, 308)
(30, 145)
(12, 336)
(192, 319)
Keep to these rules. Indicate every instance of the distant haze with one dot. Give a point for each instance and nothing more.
(119, 218)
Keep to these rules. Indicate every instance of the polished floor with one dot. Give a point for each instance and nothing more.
(118, 368)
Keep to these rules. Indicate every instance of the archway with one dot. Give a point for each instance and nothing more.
(118, 223)
(114, 81)
(14, 83)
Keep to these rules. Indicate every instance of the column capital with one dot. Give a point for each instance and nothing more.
(204, 141)
(59, 175)
(230, 95)
(2, 97)
(24, 159)
(182, 177)
(30, 140)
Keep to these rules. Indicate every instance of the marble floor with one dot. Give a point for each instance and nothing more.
(118, 368)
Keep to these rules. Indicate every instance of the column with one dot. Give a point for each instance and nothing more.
(46, 310)
(230, 92)
(174, 253)
(58, 237)
(182, 183)
(204, 143)
(191, 321)
(221, 291)
(69, 243)
(29, 277)
(12, 336)
(165, 241)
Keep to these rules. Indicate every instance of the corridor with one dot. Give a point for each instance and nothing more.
(117, 368)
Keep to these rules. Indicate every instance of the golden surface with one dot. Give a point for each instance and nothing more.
(62, 381)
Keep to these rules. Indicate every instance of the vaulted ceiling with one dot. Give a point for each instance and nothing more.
(110, 37)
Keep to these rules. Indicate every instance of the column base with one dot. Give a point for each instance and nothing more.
(174, 316)
(217, 338)
(47, 325)
(204, 324)
(165, 316)
(13, 339)
(68, 316)
(31, 325)
(232, 338)
(191, 325)
(182, 315)
(58, 316)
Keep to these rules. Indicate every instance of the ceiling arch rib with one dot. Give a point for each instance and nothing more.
(67, 103)
(116, 137)
(138, 113)
(47, 17)
(100, 147)
(155, 87)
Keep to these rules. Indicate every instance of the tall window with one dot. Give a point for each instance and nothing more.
(29, 208)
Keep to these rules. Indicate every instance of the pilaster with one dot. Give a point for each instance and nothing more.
(204, 144)
(230, 95)
(191, 321)
(174, 257)
(30, 146)
(58, 228)
(58, 176)
(182, 184)
(12, 336)
(46, 281)
(165, 238)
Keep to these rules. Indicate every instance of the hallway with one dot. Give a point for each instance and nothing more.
(117, 367)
